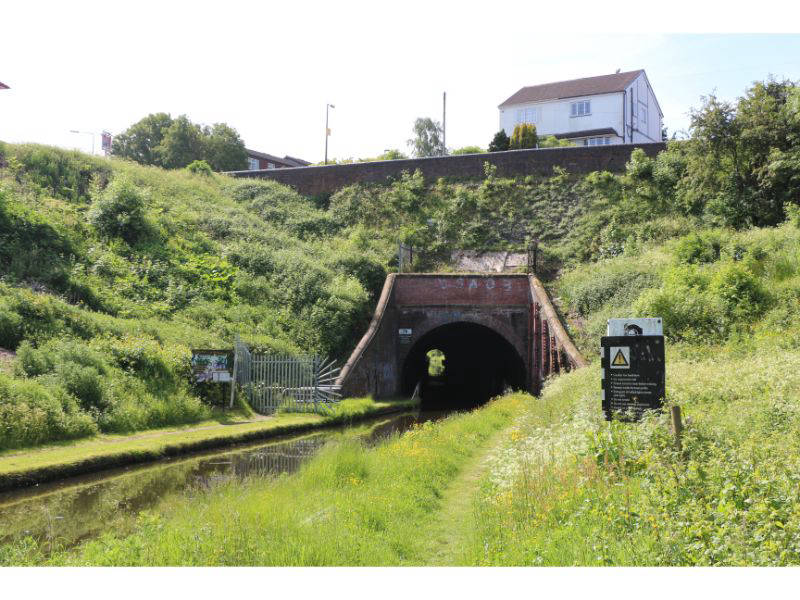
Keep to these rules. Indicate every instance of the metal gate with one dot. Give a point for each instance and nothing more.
(290, 383)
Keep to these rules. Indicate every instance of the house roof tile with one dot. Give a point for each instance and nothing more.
(587, 86)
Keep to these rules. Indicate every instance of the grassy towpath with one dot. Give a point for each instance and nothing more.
(449, 534)
(66, 459)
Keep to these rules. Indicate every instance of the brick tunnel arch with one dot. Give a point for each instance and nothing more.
(479, 364)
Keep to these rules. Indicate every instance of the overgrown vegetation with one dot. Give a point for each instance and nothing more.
(348, 506)
(112, 272)
(160, 140)
(580, 491)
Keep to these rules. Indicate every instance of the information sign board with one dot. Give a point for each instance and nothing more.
(633, 374)
(212, 365)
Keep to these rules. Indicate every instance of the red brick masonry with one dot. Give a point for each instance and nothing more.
(577, 159)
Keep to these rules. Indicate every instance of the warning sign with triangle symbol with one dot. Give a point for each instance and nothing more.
(621, 357)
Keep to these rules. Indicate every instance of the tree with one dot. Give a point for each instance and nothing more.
(182, 144)
(160, 140)
(427, 140)
(139, 141)
(552, 141)
(391, 155)
(499, 142)
(469, 150)
(224, 149)
(524, 136)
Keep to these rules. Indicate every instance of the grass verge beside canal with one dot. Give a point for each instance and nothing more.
(24, 468)
(348, 506)
(581, 491)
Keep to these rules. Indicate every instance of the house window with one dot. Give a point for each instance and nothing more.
(580, 109)
(253, 164)
(527, 115)
(270, 165)
(597, 141)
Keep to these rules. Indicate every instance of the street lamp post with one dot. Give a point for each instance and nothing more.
(327, 131)
(91, 133)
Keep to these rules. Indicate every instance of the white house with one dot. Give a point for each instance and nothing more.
(609, 109)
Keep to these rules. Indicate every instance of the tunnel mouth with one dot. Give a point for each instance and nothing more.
(479, 364)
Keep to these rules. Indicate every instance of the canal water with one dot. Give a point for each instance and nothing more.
(63, 514)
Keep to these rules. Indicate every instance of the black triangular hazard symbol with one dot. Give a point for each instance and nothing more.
(619, 360)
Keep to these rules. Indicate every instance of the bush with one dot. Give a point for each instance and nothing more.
(11, 327)
(552, 141)
(32, 414)
(67, 174)
(32, 361)
(741, 293)
(500, 142)
(199, 167)
(468, 150)
(699, 248)
(119, 211)
(524, 136)
(83, 383)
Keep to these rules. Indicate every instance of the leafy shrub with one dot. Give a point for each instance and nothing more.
(621, 286)
(687, 312)
(83, 383)
(699, 248)
(468, 150)
(32, 414)
(552, 141)
(119, 211)
(500, 142)
(136, 355)
(11, 327)
(32, 361)
(199, 167)
(67, 174)
(524, 136)
(740, 292)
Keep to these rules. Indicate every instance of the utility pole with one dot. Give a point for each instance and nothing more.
(444, 121)
(327, 130)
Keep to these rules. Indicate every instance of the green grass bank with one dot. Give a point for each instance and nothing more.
(581, 491)
(66, 459)
(348, 506)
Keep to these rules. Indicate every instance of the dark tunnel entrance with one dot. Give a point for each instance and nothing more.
(478, 364)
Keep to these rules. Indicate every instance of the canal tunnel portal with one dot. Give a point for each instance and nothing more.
(478, 364)
(497, 331)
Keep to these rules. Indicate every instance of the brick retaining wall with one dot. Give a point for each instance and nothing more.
(581, 159)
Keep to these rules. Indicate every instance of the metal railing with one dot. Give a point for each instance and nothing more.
(291, 383)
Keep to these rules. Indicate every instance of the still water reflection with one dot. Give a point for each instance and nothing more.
(73, 510)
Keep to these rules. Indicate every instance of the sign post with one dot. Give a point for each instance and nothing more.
(633, 367)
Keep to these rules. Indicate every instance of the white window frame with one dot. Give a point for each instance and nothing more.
(253, 164)
(527, 115)
(582, 108)
(597, 141)
(270, 165)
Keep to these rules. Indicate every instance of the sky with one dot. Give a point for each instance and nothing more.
(269, 69)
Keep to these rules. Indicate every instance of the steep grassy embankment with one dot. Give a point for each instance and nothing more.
(581, 491)
(111, 272)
